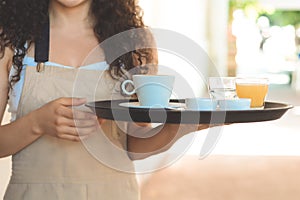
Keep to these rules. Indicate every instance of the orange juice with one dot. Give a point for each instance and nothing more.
(254, 91)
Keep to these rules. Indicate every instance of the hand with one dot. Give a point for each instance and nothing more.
(58, 119)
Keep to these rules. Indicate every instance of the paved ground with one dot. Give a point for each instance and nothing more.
(226, 178)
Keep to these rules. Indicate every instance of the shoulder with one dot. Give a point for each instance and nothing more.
(6, 60)
(5, 65)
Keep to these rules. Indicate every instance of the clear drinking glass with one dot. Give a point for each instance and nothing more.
(221, 88)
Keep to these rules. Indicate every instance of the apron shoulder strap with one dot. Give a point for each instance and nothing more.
(41, 52)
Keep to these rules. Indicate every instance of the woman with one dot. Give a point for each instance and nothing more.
(49, 161)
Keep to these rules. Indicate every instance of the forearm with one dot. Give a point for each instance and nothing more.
(162, 138)
(17, 135)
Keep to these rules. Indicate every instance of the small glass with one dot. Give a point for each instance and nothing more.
(221, 88)
(255, 89)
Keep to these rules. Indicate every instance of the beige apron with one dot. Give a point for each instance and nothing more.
(52, 168)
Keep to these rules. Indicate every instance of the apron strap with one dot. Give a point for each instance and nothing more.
(41, 53)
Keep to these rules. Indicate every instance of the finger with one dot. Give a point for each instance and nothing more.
(70, 137)
(74, 114)
(71, 101)
(75, 131)
(84, 123)
(85, 131)
(101, 120)
(215, 125)
(76, 123)
(202, 126)
(81, 115)
(143, 124)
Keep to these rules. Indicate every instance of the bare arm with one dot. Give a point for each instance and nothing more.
(160, 138)
(12, 133)
(55, 118)
(5, 61)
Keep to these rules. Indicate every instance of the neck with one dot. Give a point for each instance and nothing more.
(63, 16)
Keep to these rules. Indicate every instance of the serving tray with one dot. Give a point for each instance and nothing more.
(115, 110)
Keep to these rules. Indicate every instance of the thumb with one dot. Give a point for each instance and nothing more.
(101, 120)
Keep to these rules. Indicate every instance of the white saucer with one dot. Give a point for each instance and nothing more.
(177, 106)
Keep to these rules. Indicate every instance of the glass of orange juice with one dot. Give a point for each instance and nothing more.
(255, 89)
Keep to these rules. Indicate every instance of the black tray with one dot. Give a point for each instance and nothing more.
(113, 111)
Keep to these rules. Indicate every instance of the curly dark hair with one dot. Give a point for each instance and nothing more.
(21, 22)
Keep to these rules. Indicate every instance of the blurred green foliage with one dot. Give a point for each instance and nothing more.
(283, 17)
(276, 17)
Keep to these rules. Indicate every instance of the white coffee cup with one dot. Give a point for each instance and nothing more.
(151, 90)
(204, 104)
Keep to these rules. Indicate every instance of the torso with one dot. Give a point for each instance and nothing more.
(15, 92)
(64, 169)
(65, 51)
(77, 51)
